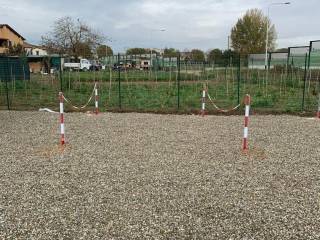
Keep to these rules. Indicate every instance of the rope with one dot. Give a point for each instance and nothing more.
(84, 106)
(222, 110)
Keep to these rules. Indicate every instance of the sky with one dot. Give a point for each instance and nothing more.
(201, 24)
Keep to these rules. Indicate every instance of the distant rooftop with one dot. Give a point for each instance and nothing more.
(8, 26)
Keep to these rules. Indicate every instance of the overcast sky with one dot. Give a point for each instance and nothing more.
(203, 24)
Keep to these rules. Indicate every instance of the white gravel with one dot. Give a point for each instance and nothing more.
(144, 176)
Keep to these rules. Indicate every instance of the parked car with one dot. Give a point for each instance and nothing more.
(117, 66)
(95, 66)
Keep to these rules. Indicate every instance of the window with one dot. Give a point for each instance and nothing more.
(3, 43)
(37, 53)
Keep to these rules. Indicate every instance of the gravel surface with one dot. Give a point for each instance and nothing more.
(144, 176)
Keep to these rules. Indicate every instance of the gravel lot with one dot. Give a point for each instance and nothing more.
(144, 176)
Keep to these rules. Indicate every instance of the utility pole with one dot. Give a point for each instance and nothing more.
(229, 54)
(268, 29)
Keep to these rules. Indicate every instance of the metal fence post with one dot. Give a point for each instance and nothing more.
(288, 64)
(119, 80)
(291, 70)
(60, 75)
(239, 77)
(7, 93)
(179, 65)
(7, 89)
(309, 57)
(269, 61)
(305, 82)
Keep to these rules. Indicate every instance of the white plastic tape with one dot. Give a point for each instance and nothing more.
(46, 110)
(62, 128)
(245, 132)
(247, 110)
(61, 107)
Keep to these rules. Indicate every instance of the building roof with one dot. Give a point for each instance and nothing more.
(29, 45)
(32, 46)
(14, 31)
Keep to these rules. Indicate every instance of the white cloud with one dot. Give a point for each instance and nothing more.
(189, 24)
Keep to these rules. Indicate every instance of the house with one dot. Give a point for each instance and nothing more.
(9, 38)
(37, 58)
(145, 64)
(185, 56)
(158, 51)
(34, 50)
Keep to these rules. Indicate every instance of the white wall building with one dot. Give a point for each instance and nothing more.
(33, 50)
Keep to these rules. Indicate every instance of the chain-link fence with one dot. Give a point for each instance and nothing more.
(151, 83)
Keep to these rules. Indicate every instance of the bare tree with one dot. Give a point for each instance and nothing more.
(72, 37)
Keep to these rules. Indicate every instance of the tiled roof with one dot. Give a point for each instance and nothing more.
(8, 26)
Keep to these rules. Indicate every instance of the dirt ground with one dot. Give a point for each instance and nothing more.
(145, 176)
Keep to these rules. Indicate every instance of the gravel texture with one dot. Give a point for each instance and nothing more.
(144, 176)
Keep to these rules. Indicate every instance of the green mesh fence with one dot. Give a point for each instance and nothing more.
(13, 68)
(314, 59)
(278, 59)
(152, 83)
(312, 95)
(256, 61)
(296, 56)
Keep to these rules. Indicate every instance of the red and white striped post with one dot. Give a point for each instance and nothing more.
(247, 102)
(62, 140)
(96, 99)
(203, 102)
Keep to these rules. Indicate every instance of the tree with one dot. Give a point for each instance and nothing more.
(171, 52)
(83, 50)
(227, 54)
(231, 57)
(137, 51)
(282, 50)
(249, 33)
(215, 55)
(197, 55)
(16, 50)
(72, 37)
(104, 51)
